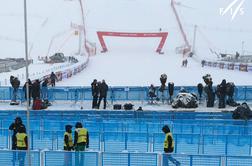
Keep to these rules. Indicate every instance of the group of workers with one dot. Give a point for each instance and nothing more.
(78, 144)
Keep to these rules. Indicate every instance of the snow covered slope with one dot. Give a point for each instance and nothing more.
(130, 61)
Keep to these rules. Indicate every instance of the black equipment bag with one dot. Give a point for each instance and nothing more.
(128, 106)
(117, 106)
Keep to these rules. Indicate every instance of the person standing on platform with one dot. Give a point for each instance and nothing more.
(68, 145)
(103, 89)
(95, 92)
(53, 79)
(22, 145)
(81, 142)
(15, 127)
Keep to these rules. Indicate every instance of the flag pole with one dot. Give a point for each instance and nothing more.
(27, 84)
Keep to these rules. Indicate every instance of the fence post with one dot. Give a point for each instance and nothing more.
(9, 141)
(150, 140)
(245, 94)
(100, 158)
(32, 140)
(126, 141)
(128, 159)
(223, 161)
(159, 159)
(226, 147)
(42, 158)
(191, 160)
(102, 142)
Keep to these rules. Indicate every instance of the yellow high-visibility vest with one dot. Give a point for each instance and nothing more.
(166, 143)
(21, 140)
(82, 135)
(70, 139)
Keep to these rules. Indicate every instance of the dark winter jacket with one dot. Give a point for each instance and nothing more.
(36, 90)
(44, 84)
(30, 88)
(15, 83)
(103, 89)
(15, 127)
(95, 89)
(53, 77)
(221, 89)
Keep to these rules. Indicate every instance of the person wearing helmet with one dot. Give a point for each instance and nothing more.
(22, 144)
(68, 144)
(81, 141)
(15, 126)
(168, 146)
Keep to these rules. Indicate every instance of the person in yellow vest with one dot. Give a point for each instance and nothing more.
(81, 142)
(22, 144)
(68, 139)
(168, 147)
(168, 142)
(68, 145)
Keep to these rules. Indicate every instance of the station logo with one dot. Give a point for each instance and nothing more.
(235, 8)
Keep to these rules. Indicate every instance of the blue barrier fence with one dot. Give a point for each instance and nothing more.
(144, 142)
(242, 93)
(15, 158)
(186, 127)
(60, 158)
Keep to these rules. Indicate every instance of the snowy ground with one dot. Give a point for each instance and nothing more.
(87, 105)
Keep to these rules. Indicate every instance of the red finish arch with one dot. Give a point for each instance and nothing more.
(162, 35)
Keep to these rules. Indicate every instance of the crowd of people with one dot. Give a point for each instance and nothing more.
(223, 91)
(38, 91)
(78, 143)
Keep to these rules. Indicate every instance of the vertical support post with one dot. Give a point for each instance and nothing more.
(159, 159)
(223, 161)
(128, 159)
(99, 158)
(42, 158)
(31, 136)
(226, 145)
(191, 160)
(194, 38)
(126, 141)
(245, 94)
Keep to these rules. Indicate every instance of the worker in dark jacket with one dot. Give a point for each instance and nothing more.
(68, 145)
(22, 144)
(81, 142)
(221, 93)
(103, 89)
(44, 89)
(168, 147)
(36, 90)
(15, 128)
(30, 91)
(95, 93)
(53, 79)
(15, 83)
